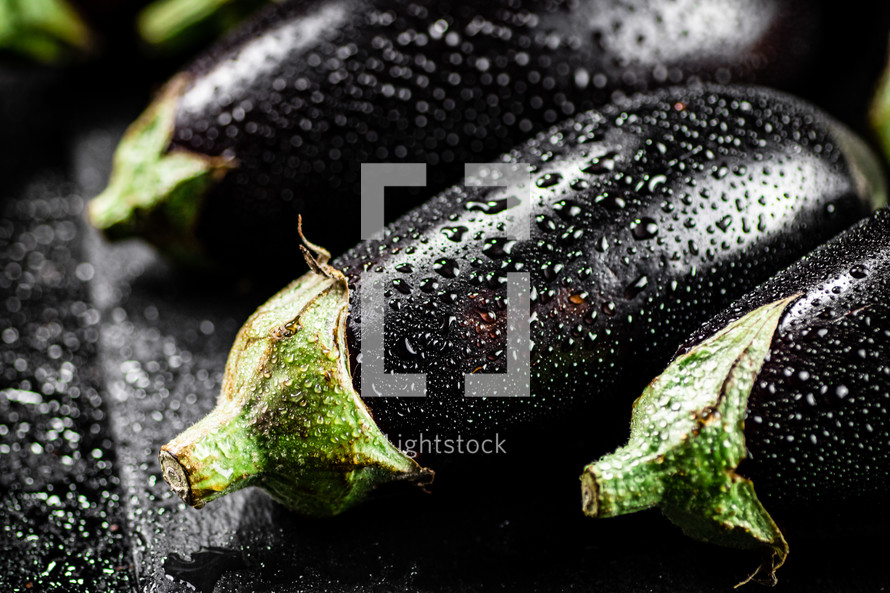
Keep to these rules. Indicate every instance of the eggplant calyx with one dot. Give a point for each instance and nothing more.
(288, 418)
(687, 440)
(45, 30)
(317, 257)
(864, 166)
(171, 25)
(154, 191)
(879, 113)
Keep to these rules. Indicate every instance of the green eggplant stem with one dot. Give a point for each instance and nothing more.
(156, 192)
(880, 111)
(686, 443)
(169, 25)
(45, 30)
(288, 418)
(210, 458)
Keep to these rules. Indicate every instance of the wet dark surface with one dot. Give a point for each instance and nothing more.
(106, 353)
(59, 492)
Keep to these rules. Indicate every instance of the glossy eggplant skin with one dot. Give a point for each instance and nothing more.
(301, 97)
(646, 219)
(817, 428)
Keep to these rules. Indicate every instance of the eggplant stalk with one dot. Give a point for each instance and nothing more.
(880, 111)
(152, 189)
(42, 29)
(311, 442)
(686, 443)
(170, 24)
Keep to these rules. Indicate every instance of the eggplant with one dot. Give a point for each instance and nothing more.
(277, 119)
(644, 219)
(779, 402)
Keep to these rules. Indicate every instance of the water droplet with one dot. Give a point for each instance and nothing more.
(643, 228)
(487, 316)
(545, 223)
(491, 206)
(401, 286)
(498, 247)
(551, 270)
(610, 201)
(859, 271)
(656, 182)
(567, 209)
(428, 285)
(578, 298)
(636, 287)
(548, 180)
(454, 233)
(724, 223)
(601, 164)
(447, 268)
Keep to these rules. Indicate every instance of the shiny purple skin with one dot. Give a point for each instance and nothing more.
(647, 220)
(818, 422)
(304, 95)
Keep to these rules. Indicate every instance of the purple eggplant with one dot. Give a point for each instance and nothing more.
(277, 119)
(643, 220)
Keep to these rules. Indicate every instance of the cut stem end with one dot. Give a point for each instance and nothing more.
(589, 494)
(176, 476)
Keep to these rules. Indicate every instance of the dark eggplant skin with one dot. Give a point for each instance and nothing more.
(647, 219)
(817, 429)
(644, 219)
(302, 96)
(773, 416)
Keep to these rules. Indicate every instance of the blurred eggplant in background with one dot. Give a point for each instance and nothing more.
(277, 119)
